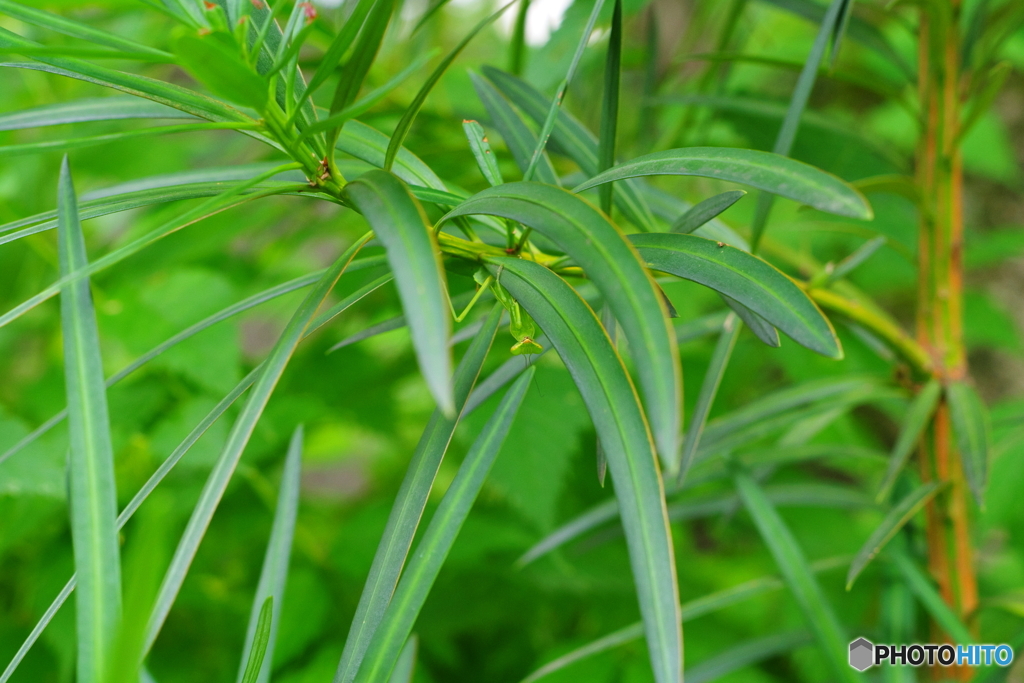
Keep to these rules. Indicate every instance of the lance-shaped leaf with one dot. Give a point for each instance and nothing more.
(275, 560)
(519, 139)
(405, 515)
(970, 424)
(394, 630)
(257, 646)
(893, 522)
(801, 582)
(766, 171)
(91, 109)
(915, 420)
(614, 407)
(398, 220)
(571, 138)
(761, 328)
(922, 586)
(600, 248)
(219, 477)
(93, 492)
(481, 148)
(746, 278)
(707, 210)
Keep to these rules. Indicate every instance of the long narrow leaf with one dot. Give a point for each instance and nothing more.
(890, 526)
(610, 105)
(406, 666)
(398, 220)
(746, 278)
(745, 654)
(970, 424)
(92, 109)
(93, 492)
(241, 432)
(425, 564)
(275, 561)
(407, 510)
(770, 172)
(481, 149)
(257, 647)
(801, 582)
(914, 422)
(600, 248)
(77, 143)
(703, 212)
(924, 589)
(615, 409)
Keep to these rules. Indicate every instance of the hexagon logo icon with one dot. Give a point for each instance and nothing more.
(861, 654)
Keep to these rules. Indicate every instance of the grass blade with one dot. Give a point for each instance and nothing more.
(745, 278)
(257, 647)
(797, 575)
(405, 124)
(399, 222)
(93, 492)
(481, 149)
(766, 171)
(708, 391)
(241, 432)
(91, 109)
(408, 508)
(570, 137)
(406, 666)
(917, 418)
(924, 590)
(610, 105)
(384, 650)
(519, 139)
(275, 562)
(701, 213)
(970, 424)
(890, 526)
(607, 391)
(600, 248)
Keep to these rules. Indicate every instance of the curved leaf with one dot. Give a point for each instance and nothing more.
(600, 248)
(610, 398)
(419, 576)
(970, 424)
(407, 510)
(893, 522)
(916, 418)
(701, 213)
(399, 222)
(770, 172)
(370, 145)
(761, 328)
(92, 490)
(746, 278)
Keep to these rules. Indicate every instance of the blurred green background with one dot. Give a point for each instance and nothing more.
(365, 405)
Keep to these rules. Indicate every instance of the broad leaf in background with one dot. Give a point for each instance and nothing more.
(93, 492)
(607, 391)
(398, 220)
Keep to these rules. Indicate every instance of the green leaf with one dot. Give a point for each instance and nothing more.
(275, 564)
(92, 490)
(75, 29)
(172, 95)
(405, 124)
(370, 145)
(422, 570)
(406, 666)
(481, 148)
(600, 248)
(214, 60)
(797, 575)
(570, 137)
(701, 213)
(708, 390)
(902, 513)
(407, 510)
(519, 139)
(743, 655)
(91, 109)
(848, 264)
(399, 222)
(339, 46)
(992, 85)
(217, 482)
(770, 172)
(358, 65)
(970, 424)
(915, 420)
(77, 143)
(610, 105)
(257, 647)
(214, 205)
(615, 409)
(924, 589)
(761, 328)
(748, 279)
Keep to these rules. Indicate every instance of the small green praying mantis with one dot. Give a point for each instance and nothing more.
(521, 324)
